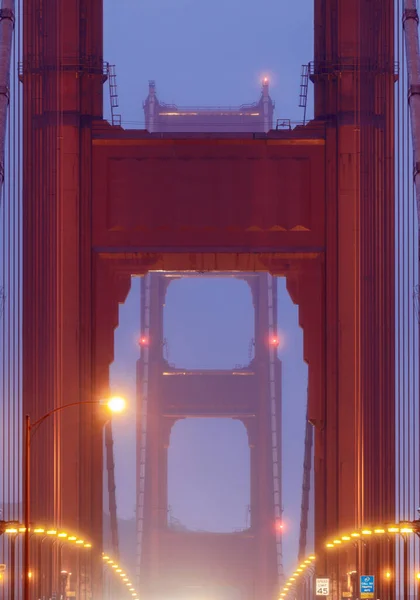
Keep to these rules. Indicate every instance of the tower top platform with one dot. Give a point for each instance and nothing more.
(170, 118)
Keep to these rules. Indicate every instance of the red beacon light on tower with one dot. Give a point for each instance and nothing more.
(274, 341)
(279, 526)
(144, 341)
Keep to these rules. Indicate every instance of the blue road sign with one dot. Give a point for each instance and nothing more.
(367, 585)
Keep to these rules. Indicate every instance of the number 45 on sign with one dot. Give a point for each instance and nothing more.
(322, 587)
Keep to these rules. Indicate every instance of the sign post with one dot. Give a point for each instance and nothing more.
(367, 586)
(322, 586)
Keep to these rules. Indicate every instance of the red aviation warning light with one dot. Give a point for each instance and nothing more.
(274, 341)
(144, 341)
(279, 526)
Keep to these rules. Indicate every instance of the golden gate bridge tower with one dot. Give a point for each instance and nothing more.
(169, 118)
(245, 564)
(99, 203)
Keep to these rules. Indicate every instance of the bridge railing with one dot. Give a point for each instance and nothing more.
(391, 532)
(14, 528)
(302, 572)
(121, 576)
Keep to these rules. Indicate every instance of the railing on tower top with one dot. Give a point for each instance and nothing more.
(351, 64)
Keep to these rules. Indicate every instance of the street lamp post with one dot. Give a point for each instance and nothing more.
(12, 567)
(27, 472)
(115, 404)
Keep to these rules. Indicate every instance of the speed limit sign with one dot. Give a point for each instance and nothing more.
(322, 587)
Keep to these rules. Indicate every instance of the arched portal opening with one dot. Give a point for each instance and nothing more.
(209, 476)
(209, 323)
(188, 442)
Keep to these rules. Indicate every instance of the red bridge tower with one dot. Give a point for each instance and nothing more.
(314, 204)
(169, 118)
(250, 562)
(171, 562)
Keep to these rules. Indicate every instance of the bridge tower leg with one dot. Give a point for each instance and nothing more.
(354, 76)
(62, 78)
(168, 560)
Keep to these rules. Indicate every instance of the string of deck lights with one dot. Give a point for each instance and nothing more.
(339, 540)
(115, 568)
(52, 531)
(301, 571)
(68, 537)
(297, 576)
(367, 532)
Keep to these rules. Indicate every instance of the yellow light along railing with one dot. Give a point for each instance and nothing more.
(369, 532)
(297, 576)
(58, 533)
(119, 572)
(364, 533)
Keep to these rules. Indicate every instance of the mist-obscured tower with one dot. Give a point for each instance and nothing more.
(173, 562)
(169, 118)
(231, 566)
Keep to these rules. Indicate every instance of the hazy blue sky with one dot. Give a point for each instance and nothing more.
(210, 53)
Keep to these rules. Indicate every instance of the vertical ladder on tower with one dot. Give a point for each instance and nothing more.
(303, 95)
(113, 94)
(275, 408)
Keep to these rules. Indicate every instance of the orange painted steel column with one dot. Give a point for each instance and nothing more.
(354, 94)
(62, 80)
